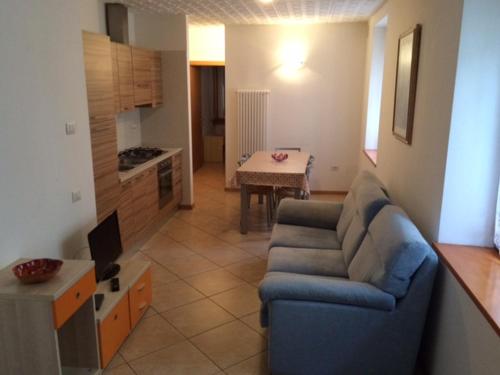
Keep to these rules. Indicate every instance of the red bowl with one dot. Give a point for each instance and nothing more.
(279, 156)
(37, 270)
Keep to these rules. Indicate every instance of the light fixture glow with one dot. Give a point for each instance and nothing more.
(266, 1)
(293, 55)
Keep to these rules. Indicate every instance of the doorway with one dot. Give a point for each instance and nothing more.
(207, 113)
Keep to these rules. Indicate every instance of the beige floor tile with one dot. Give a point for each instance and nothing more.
(239, 301)
(160, 275)
(230, 344)
(151, 334)
(175, 294)
(222, 253)
(197, 317)
(253, 366)
(179, 359)
(258, 248)
(116, 361)
(123, 369)
(189, 266)
(252, 270)
(214, 282)
(163, 249)
(253, 321)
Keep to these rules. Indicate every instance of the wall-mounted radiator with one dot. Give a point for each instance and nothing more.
(253, 118)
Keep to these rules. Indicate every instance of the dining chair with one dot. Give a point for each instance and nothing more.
(285, 192)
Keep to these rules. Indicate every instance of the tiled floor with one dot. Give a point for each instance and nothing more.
(204, 317)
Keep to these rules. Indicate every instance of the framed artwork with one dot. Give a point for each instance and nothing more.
(406, 84)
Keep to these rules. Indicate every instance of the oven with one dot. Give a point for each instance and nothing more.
(165, 182)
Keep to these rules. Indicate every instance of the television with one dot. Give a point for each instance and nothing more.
(105, 247)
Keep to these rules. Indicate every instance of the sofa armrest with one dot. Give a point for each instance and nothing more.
(316, 214)
(289, 286)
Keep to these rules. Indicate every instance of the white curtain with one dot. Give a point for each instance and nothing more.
(497, 222)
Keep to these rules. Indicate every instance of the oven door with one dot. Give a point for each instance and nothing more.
(166, 190)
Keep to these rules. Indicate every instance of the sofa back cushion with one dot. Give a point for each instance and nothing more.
(364, 177)
(368, 201)
(391, 252)
(348, 211)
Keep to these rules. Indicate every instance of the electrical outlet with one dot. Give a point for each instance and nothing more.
(334, 168)
(70, 127)
(76, 196)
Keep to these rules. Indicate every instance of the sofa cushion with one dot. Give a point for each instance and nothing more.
(348, 211)
(369, 200)
(365, 176)
(391, 252)
(285, 235)
(307, 261)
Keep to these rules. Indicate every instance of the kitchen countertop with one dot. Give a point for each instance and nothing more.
(127, 175)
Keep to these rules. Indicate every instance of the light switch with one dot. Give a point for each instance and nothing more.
(70, 127)
(76, 196)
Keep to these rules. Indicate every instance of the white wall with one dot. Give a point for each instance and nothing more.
(42, 87)
(170, 124)
(93, 18)
(458, 340)
(414, 174)
(318, 108)
(473, 163)
(206, 43)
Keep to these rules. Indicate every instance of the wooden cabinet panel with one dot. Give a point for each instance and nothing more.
(99, 75)
(113, 330)
(126, 77)
(105, 164)
(116, 80)
(142, 61)
(157, 84)
(140, 297)
(126, 215)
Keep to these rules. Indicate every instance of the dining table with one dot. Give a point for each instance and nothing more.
(262, 170)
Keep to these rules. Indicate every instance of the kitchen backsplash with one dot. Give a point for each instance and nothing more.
(128, 127)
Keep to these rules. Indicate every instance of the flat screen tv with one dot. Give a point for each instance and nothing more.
(105, 247)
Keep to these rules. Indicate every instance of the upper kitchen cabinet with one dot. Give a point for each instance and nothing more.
(142, 62)
(157, 80)
(116, 79)
(126, 77)
(99, 75)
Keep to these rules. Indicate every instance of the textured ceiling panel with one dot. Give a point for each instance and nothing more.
(256, 12)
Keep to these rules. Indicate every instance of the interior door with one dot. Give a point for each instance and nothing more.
(196, 127)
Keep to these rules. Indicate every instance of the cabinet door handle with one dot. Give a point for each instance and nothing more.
(77, 295)
(141, 287)
(115, 317)
(142, 306)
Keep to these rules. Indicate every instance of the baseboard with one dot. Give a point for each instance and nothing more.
(186, 206)
(320, 192)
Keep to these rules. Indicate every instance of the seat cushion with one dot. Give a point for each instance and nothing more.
(307, 261)
(391, 252)
(285, 235)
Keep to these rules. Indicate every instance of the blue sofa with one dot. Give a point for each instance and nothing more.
(347, 287)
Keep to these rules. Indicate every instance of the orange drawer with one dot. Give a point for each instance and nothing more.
(114, 330)
(66, 305)
(140, 296)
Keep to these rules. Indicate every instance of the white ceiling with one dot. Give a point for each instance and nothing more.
(255, 12)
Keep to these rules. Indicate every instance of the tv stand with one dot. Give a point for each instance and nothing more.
(111, 271)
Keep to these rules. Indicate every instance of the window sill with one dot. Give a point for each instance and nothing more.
(477, 269)
(372, 156)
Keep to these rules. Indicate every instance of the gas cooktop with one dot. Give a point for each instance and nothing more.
(132, 157)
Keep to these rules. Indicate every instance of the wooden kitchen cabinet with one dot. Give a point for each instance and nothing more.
(126, 215)
(142, 64)
(116, 80)
(157, 84)
(99, 74)
(100, 96)
(126, 77)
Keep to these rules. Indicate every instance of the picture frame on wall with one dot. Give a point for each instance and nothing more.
(406, 84)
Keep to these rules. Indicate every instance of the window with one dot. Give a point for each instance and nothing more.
(375, 90)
